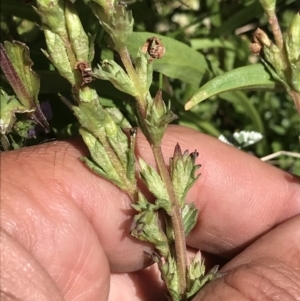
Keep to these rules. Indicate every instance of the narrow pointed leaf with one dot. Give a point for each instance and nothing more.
(248, 77)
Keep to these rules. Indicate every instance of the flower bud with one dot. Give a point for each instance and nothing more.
(261, 37)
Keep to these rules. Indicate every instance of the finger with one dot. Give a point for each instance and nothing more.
(267, 270)
(22, 276)
(143, 285)
(41, 217)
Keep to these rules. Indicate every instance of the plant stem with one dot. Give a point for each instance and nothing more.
(179, 237)
(296, 97)
(4, 142)
(273, 21)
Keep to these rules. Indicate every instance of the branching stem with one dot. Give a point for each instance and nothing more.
(177, 222)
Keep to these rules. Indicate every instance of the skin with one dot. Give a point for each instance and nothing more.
(64, 230)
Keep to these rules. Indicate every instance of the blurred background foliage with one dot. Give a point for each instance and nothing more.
(216, 35)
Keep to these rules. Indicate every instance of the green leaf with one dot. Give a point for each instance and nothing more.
(196, 277)
(9, 107)
(180, 61)
(153, 180)
(190, 216)
(169, 274)
(16, 65)
(206, 43)
(147, 226)
(58, 55)
(103, 165)
(158, 117)
(110, 70)
(78, 38)
(183, 169)
(248, 77)
(118, 117)
(144, 70)
(26, 83)
(141, 204)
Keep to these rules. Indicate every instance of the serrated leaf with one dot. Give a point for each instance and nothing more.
(196, 277)
(169, 274)
(58, 55)
(153, 180)
(249, 77)
(142, 203)
(180, 61)
(111, 71)
(93, 117)
(100, 157)
(183, 169)
(147, 227)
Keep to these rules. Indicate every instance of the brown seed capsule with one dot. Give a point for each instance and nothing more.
(86, 72)
(260, 36)
(255, 48)
(154, 48)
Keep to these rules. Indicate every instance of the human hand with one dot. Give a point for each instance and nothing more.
(65, 231)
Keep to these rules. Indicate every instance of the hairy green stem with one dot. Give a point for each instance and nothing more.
(179, 237)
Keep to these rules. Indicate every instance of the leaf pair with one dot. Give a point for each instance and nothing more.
(112, 154)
